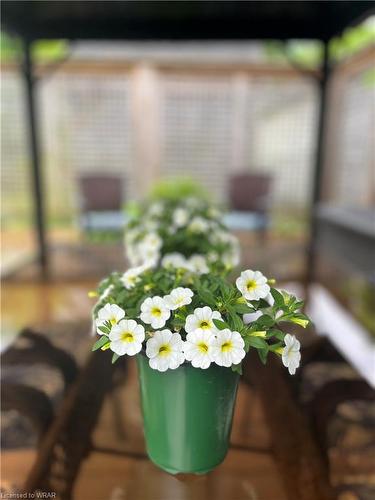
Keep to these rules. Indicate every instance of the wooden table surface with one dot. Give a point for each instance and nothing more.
(95, 448)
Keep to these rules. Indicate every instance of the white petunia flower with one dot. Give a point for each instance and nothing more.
(199, 225)
(155, 312)
(228, 348)
(198, 348)
(149, 248)
(221, 236)
(174, 260)
(131, 277)
(291, 356)
(212, 256)
(152, 240)
(197, 264)
(165, 350)
(110, 312)
(180, 217)
(214, 213)
(149, 255)
(131, 235)
(202, 320)
(270, 299)
(251, 317)
(231, 258)
(126, 337)
(253, 285)
(156, 209)
(133, 255)
(178, 297)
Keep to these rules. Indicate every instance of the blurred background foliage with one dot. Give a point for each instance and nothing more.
(43, 51)
(308, 54)
(178, 188)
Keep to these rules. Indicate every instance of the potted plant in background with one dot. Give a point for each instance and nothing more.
(180, 231)
(189, 338)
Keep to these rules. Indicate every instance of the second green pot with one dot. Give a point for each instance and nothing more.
(187, 415)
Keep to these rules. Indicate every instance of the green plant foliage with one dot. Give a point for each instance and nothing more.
(309, 54)
(176, 189)
(43, 51)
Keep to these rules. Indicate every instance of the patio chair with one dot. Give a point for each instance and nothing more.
(101, 199)
(249, 199)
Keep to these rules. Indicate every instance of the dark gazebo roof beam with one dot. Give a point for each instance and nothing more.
(188, 20)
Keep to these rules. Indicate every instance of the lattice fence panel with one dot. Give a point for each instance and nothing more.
(197, 129)
(353, 159)
(15, 169)
(281, 130)
(199, 132)
(87, 130)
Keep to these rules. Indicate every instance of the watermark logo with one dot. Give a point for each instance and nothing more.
(27, 495)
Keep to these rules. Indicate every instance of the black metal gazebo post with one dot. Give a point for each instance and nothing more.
(37, 182)
(318, 173)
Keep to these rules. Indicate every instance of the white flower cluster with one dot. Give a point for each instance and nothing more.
(196, 263)
(253, 286)
(144, 240)
(204, 344)
(144, 251)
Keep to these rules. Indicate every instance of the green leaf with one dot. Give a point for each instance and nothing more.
(226, 290)
(131, 312)
(105, 329)
(221, 325)
(237, 323)
(298, 305)
(243, 308)
(207, 297)
(263, 304)
(237, 368)
(115, 358)
(265, 321)
(257, 342)
(289, 300)
(100, 343)
(274, 332)
(263, 353)
(279, 299)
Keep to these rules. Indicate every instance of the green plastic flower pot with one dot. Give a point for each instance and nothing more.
(187, 415)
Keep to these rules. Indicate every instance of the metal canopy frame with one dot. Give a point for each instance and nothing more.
(176, 20)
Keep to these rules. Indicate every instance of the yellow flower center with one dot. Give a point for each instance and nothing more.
(203, 347)
(164, 349)
(127, 337)
(250, 285)
(113, 321)
(226, 346)
(204, 324)
(155, 311)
